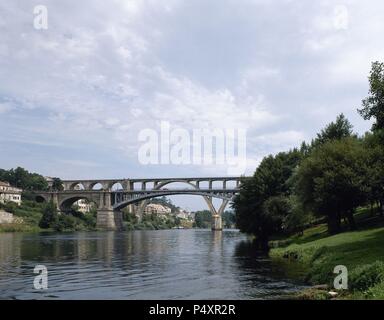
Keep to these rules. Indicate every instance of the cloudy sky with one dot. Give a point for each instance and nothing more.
(74, 97)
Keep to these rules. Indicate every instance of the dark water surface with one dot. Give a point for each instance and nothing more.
(164, 264)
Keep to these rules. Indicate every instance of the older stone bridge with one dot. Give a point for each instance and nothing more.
(110, 196)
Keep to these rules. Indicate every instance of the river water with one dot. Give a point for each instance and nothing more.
(164, 264)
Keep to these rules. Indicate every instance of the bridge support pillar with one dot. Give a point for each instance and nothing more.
(217, 224)
(107, 219)
(217, 221)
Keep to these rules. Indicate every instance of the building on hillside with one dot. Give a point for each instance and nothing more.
(182, 214)
(157, 209)
(9, 193)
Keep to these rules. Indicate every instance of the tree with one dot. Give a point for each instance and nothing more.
(57, 184)
(203, 219)
(228, 219)
(50, 216)
(337, 130)
(373, 105)
(330, 182)
(298, 218)
(275, 211)
(23, 179)
(374, 152)
(260, 206)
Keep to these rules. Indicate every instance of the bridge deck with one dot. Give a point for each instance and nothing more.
(143, 191)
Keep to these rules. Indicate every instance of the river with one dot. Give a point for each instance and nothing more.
(164, 264)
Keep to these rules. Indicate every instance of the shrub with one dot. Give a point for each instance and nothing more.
(10, 206)
(367, 276)
(318, 253)
(89, 220)
(376, 292)
(66, 222)
(49, 217)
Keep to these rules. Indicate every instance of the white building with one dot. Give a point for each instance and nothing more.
(157, 209)
(182, 214)
(9, 193)
(82, 205)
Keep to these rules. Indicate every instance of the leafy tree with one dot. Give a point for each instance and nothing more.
(229, 219)
(57, 184)
(298, 218)
(66, 222)
(50, 216)
(275, 211)
(373, 105)
(374, 152)
(305, 149)
(203, 219)
(330, 182)
(23, 179)
(260, 207)
(337, 130)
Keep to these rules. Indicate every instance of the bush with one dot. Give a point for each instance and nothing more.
(66, 222)
(376, 292)
(128, 226)
(319, 252)
(10, 206)
(49, 218)
(89, 220)
(367, 276)
(17, 227)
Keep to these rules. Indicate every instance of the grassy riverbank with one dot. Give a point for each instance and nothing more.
(362, 252)
(29, 216)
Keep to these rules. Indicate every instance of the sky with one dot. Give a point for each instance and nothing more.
(75, 96)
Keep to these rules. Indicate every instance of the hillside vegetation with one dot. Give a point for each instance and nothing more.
(361, 251)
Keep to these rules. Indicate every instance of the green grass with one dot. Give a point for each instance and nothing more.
(18, 227)
(320, 253)
(29, 211)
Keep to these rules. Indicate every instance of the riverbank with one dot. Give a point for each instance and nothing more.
(362, 252)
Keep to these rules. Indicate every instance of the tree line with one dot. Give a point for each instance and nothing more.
(23, 179)
(326, 179)
(203, 219)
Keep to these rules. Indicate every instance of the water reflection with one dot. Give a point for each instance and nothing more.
(167, 264)
(266, 278)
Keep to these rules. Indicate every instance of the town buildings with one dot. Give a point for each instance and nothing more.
(157, 209)
(9, 193)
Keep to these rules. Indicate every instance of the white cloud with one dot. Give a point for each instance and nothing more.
(104, 70)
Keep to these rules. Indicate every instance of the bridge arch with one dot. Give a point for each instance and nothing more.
(121, 205)
(207, 196)
(116, 185)
(41, 198)
(66, 203)
(81, 186)
(96, 186)
(164, 183)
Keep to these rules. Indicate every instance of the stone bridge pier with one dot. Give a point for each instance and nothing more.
(107, 217)
(217, 215)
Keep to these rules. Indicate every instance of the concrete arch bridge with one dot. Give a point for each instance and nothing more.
(110, 196)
